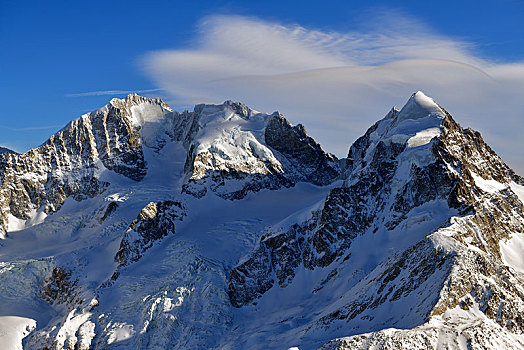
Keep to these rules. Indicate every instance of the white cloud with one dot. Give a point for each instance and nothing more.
(31, 128)
(338, 84)
(111, 92)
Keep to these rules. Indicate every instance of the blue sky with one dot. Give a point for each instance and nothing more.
(467, 54)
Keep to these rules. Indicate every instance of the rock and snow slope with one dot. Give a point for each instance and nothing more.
(139, 227)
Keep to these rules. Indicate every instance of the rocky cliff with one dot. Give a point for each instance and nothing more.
(413, 158)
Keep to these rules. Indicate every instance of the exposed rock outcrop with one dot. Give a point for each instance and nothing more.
(69, 164)
(250, 151)
(154, 222)
(302, 151)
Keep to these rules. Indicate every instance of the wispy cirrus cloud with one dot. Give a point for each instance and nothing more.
(338, 84)
(111, 92)
(31, 128)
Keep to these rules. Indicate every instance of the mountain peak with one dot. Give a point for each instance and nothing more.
(133, 99)
(419, 106)
(237, 108)
(5, 150)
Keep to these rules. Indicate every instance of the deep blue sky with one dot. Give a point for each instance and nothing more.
(50, 49)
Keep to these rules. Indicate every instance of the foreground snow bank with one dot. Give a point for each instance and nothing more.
(13, 329)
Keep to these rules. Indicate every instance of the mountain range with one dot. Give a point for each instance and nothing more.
(139, 227)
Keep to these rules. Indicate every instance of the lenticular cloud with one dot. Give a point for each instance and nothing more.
(339, 83)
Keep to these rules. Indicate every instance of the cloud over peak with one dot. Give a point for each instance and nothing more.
(338, 84)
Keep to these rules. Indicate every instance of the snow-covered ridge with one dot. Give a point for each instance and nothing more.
(72, 161)
(223, 227)
(415, 125)
(6, 150)
(229, 141)
(223, 149)
(231, 137)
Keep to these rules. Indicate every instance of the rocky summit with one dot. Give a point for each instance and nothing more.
(139, 227)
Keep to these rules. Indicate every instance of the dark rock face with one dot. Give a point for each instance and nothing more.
(295, 156)
(358, 149)
(108, 211)
(317, 166)
(58, 287)
(154, 222)
(239, 108)
(434, 181)
(368, 201)
(185, 129)
(67, 164)
(280, 253)
(216, 180)
(118, 142)
(404, 276)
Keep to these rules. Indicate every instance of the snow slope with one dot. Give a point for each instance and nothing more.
(13, 329)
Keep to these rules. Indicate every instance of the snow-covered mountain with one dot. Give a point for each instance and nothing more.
(5, 150)
(143, 228)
